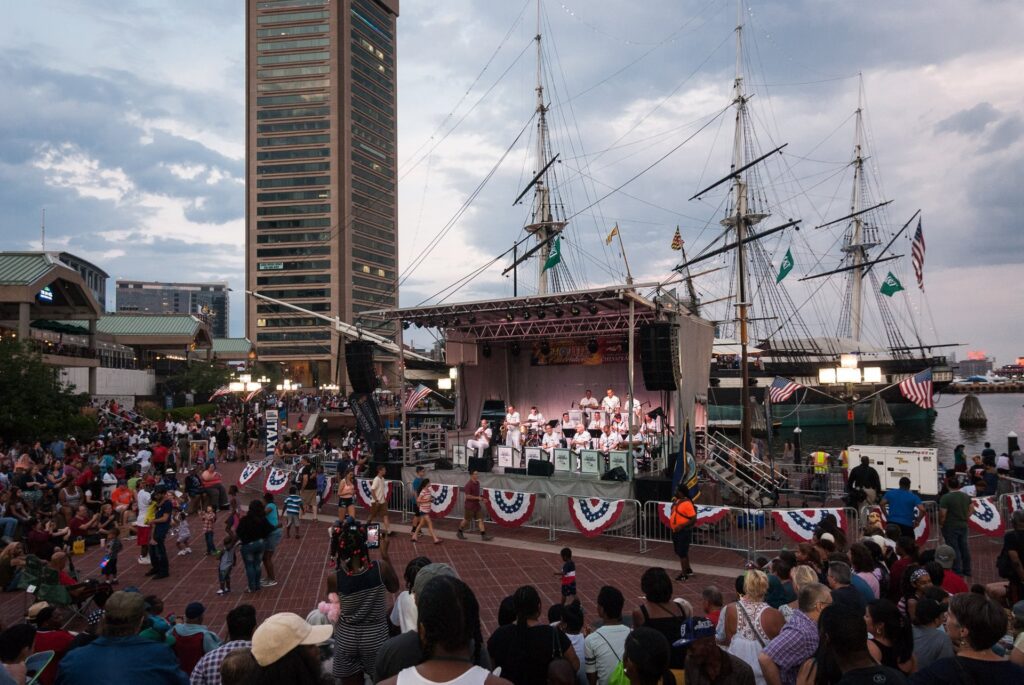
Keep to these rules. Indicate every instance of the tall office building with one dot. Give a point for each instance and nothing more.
(321, 215)
(207, 300)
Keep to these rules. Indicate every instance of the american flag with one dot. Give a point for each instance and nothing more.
(917, 255)
(781, 389)
(918, 389)
(219, 392)
(415, 396)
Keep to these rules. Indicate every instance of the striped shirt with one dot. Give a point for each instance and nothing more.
(292, 505)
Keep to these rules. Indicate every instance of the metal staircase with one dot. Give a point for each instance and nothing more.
(741, 474)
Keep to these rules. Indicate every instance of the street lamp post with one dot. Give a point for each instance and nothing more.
(848, 375)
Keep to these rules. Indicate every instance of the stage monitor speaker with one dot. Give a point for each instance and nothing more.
(359, 363)
(514, 471)
(652, 489)
(539, 467)
(483, 465)
(656, 356)
(618, 473)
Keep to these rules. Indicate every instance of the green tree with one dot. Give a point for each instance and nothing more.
(200, 378)
(34, 402)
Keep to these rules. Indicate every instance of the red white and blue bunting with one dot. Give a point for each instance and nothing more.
(800, 524)
(985, 517)
(593, 516)
(249, 472)
(922, 529)
(509, 509)
(442, 499)
(277, 479)
(365, 495)
(706, 515)
(1014, 501)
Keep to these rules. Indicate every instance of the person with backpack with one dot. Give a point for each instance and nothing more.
(682, 521)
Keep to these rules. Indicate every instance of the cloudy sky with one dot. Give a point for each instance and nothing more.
(125, 121)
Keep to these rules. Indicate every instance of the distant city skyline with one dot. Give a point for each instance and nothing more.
(134, 139)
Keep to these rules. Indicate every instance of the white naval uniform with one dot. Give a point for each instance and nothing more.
(514, 435)
(581, 441)
(534, 420)
(608, 441)
(549, 442)
(633, 406)
(610, 404)
(589, 403)
(481, 443)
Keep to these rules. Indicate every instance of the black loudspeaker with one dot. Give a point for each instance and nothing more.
(515, 472)
(652, 489)
(539, 467)
(618, 473)
(359, 363)
(481, 464)
(656, 356)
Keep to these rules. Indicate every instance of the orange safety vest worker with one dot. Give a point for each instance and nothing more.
(820, 462)
(684, 515)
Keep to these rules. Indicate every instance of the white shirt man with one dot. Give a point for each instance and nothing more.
(589, 402)
(550, 441)
(566, 427)
(535, 418)
(609, 440)
(610, 403)
(481, 440)
(581, 441)
(631, 405)
(512, 423)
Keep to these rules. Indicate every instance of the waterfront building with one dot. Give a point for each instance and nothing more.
(208, 301)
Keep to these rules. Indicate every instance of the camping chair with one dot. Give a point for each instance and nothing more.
(35, 664)
(45, 587)
(188, 649)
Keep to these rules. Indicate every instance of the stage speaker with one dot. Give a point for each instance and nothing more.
(359, 363)
(652, 489)
(514, 471)
(539, 467)
(618, 473)
(656, 356)
(483, 465)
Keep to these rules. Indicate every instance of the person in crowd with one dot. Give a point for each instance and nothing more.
(975, 624)
(706, 662)
(567, 586)
(226, 562)
(379, 496)
(907, 554)
(801, 577)
(15, 647)
(403, 613)
(272, 540)
(843, 656)
(120, 654)
(292, 512)
(954, 511)
(524, 649)
(658, 611)
(161, 526)
(193, 625)
(930, 641)
(780, 581)
(864, 484)
(711, 603)
(916, 581)
(951, 582)
(424, 502)
(750, 624)
(473, 507)
(797, 642)
(285, 649)
(1012, 555)
(603, 648)
(572, 626)
(50, 635)
(683, 520)
(840, 577)
(864, 567)
(449, 630)
(892, 641)
(253, 529)
(347, 496)
(645, 657)
(903, 507)
(241, 624)
(362, 585)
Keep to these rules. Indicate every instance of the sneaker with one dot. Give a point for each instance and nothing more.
(223, 592)
(145, 560)
(182, 552)
(267, 582)
(460, 535)
(188, 550)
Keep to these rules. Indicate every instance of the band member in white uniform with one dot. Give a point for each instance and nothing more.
(610, 403)
(567, 428)
(482, 438)
(513, 435)
(589, 402)
(535, 418)
(550, 441)
(631, 405)
(581, 441)
(619, 424)
(609, 440)
(595, 421)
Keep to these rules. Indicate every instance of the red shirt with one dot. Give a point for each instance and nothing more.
(713, 616)
(159, 454)
(75, 524)
(954, 584)
(472, 489)
(65, 579)
(896, 575)
(58, 641)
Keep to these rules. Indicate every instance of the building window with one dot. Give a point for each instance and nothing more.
(273, 86)
(318, 125)
(293, 209)
(293, 279)
(304, 99)
(293, 181)
(292, 154)
(294, 196)
(282, 31)
(293, 168)
(289, 58)
(294, 44)
(291, 16)
(293, 140)
(294, 71)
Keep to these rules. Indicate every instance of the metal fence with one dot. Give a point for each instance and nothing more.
(801, 483)
(628, 525)
(726, 533)
(931, 512)
(766, 538)
(540, 517)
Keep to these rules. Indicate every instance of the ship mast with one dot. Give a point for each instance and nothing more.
(856, 246)
(541, 226)
(741, 220)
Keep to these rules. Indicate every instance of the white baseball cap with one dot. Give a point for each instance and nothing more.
(281, 633)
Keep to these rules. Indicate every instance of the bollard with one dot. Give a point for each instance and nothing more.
(796, 445)
(1012, 445)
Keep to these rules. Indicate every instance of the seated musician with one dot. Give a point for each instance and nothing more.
(481, 438)
(550, 441)
(567, 427)
(609, 440)
(581, 441)
(596, 421)
(589, 402)
(610, 403)
(619, 424)
(534, 419)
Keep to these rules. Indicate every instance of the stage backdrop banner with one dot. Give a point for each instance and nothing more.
(706, 515)
(364, 494)
(799, 524)
(509, 509)
(575, 352)
(593, 516)
(442, 499)
(922, 529)
(985, 517)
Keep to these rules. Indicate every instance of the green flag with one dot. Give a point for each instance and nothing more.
(786, 267)
(890, 285)
(556, 255)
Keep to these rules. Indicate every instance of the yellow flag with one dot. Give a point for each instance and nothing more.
(614, 232)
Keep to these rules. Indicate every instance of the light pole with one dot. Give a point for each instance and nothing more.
(849, 374)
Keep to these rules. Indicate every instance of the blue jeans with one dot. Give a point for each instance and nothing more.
(210, 547)
(252, 557)
(158, 555)
(9, 523)
(957, 539)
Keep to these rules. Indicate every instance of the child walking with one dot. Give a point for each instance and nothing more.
(424, 499)
(209, 517)
(182, 534)
(227, 562)
(568, 574)
(292, 512)
(114, 547)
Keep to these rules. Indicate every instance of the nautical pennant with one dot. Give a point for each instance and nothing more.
(509, 509)
(592, 516)
(442, 499)
(985, 517)
(800, 524)
(891, 285)
(677, 240)
(556, 255)
(614, 232)
(785, 267)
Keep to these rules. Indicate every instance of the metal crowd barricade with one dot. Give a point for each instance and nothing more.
(629, 525)
(1008, 504)
(539, 517)
(726, 533)
(397, 498)
(931, 512)
(799, 484)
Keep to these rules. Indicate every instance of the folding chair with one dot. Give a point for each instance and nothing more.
(49, 589)
(35, 664)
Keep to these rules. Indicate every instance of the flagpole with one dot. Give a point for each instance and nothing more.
(629, 276)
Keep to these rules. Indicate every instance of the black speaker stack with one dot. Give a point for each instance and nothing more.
(656, 342)
(359, 363)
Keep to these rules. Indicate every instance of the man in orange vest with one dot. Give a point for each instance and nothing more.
(682, 521)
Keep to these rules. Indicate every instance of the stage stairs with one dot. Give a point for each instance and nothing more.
(740, 473)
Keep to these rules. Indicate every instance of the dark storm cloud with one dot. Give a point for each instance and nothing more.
(969, 121)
